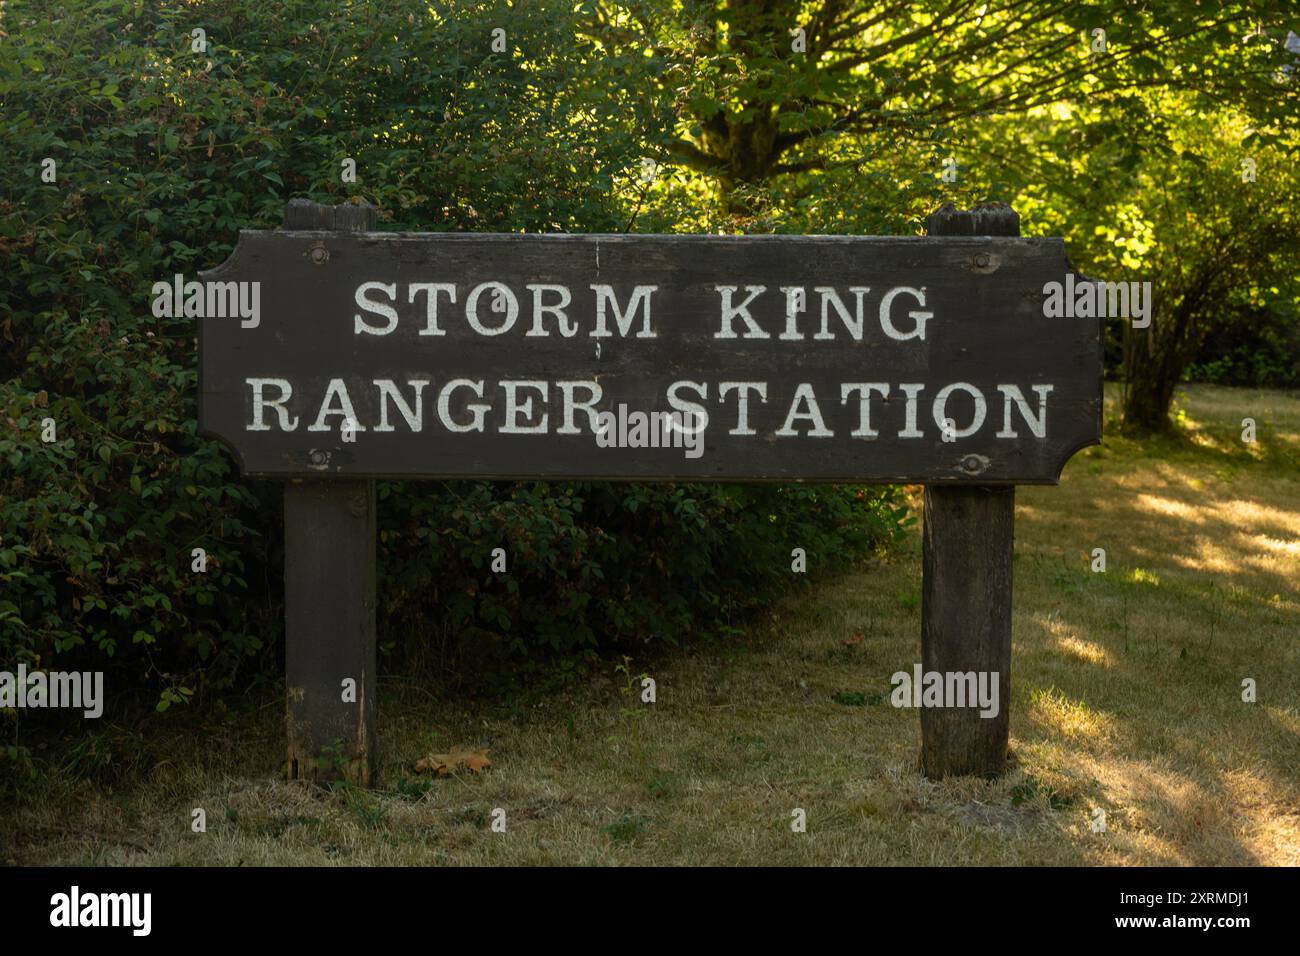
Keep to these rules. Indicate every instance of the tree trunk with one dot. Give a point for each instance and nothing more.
(1152, 371)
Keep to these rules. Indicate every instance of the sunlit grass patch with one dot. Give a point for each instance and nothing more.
(1086, 652)
(1142, 576)
(1071, 718)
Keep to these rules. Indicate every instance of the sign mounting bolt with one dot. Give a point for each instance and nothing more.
(319, 254)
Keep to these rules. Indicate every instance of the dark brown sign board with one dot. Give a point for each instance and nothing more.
(331, 354)
(802, 358)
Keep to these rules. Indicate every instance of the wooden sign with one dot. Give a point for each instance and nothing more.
(329, 351)
(809, 358)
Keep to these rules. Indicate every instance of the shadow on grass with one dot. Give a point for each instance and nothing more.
(1202, 541)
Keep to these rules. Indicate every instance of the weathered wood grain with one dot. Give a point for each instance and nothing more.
(988, 329)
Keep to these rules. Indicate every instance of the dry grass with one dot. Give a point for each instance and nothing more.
(1126, 697)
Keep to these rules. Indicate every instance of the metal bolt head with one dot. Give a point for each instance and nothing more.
(319, 254)
(982, 260)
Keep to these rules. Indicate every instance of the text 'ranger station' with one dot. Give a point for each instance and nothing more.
(524, 406)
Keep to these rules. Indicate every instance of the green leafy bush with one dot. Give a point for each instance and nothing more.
(595, 564)
(161, 154)
(1257, 347)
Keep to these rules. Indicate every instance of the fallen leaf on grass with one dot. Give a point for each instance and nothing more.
(444, 765)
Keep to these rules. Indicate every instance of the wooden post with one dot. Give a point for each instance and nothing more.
(966, 581)
(329, 593)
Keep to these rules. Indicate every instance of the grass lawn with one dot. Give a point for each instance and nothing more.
(1126, 699)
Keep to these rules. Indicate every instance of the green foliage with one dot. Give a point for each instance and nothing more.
(412, 790)
(628, 829)
(838, 117)
(595, 565)
(370, 810)
(1032, 789)
(1259, 348)
(17, 768)
(105, 755)
(162, 154)
(1166, 203)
